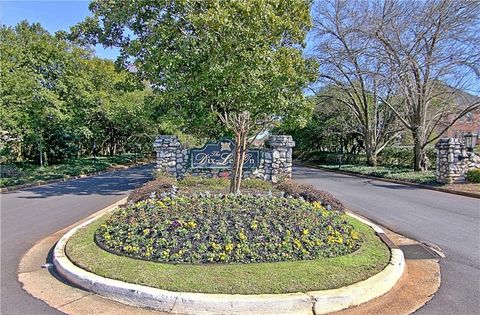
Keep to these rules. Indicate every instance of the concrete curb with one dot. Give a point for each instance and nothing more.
(316, 302)
(394, 181)
(69, 178)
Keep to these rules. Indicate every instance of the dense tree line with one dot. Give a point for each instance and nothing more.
(383, 69)
(58, 101)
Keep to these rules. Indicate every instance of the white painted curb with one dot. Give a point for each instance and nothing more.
(316, 302)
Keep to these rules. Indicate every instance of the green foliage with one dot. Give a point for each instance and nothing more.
(473, 175)
(405, 174)
(310, 194)
(58, 100)
(229, 228)
(332, 127)
(210, 57)
(403, 157)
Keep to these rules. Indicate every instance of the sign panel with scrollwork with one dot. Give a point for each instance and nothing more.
(220, 155)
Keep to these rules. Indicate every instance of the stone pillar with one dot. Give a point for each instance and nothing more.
(168, 150)
(278, 159)
(452, 161)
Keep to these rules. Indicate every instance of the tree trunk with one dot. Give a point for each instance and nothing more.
(238, 160)
(419, 160)
(370, 151)
(419, 156)
(40, 154)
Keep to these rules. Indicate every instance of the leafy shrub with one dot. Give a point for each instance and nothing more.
(405, 174)
(10, 170)
(152, 188)
(229, 229)
(403, 157)
(310, 194)
(473, 175)
(324, 157)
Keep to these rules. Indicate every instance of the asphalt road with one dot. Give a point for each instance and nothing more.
(449, 221)
(28, 215)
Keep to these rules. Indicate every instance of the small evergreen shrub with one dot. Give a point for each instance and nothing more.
(152, 189)
(310, 194)
(473, 175)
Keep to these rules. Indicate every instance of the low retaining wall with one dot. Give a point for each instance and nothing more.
(315, 302)
(275, 160)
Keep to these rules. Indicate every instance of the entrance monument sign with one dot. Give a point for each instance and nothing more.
(220, 155)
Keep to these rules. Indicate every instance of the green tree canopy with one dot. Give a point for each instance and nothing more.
(237, 61)
(58, 99)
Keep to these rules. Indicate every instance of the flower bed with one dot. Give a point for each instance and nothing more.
(228, 229)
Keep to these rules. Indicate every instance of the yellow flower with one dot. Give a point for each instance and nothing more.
(223, 256)
(229, 247)
(354, 235)
(297, 243)
(241, 235)
(316, 205)
(305, 232)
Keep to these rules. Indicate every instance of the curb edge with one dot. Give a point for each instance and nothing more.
(394, 181)
(318, 302)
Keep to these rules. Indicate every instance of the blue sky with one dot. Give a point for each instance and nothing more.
(53, 15)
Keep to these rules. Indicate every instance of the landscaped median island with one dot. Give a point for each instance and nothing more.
(188, 236)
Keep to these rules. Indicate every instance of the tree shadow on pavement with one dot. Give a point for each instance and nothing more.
(112, 183)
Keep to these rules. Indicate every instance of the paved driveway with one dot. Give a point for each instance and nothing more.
(29, 215)
(452, 222)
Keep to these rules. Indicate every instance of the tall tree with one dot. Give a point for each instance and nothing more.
(431, 48)
(239, 62)
(347, 61)
(57, 99)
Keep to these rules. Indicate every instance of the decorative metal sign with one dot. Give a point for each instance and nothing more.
(220, 155)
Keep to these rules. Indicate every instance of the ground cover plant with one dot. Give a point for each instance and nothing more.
(473, 175)
(191, 185)
(229, 229)
(23, 173)
(253, 278)
(404, 174)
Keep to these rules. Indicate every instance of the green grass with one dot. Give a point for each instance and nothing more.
(255, 278)
(221, 185)
(404, 174)
(24, 173)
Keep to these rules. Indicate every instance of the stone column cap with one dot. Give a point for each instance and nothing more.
(169, 140)
(280, 141)
(447, 142)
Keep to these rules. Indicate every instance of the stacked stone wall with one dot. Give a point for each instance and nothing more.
(275, 160)
(454, 161)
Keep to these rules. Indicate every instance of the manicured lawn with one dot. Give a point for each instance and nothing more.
(254, 278)
(23, 173)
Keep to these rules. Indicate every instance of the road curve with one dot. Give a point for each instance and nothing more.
(29, 215)
(450, 221)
